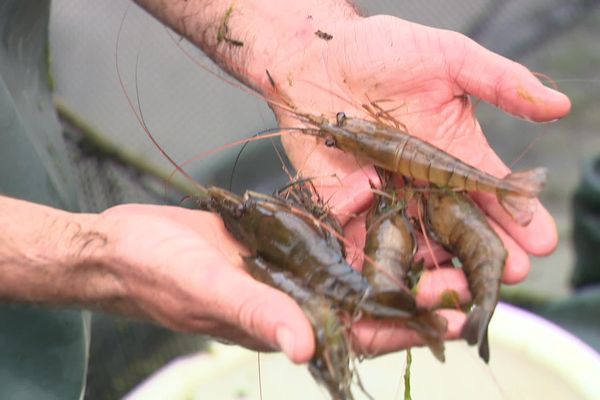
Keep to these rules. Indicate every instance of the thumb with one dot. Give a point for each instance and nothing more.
(502, 82)
(271, 316)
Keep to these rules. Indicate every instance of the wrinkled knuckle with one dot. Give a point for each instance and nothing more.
(457, 38)
(249, 316)
(520, 69)
(382, 19)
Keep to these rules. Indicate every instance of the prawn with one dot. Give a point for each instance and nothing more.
(271, 230)
(302, 197)
(455, 221)
(396, 151)
(330, 364)
(390, 243)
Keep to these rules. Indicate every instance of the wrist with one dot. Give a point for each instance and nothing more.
(52, 257)
(248, 37)
(280, 32)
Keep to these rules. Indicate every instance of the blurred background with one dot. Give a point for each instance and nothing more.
(190, 111)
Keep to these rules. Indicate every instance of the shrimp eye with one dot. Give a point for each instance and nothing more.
(340, 118)
(329, 142)
(238, 211)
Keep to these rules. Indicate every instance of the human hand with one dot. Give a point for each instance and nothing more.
(422, 77)
(181, 269)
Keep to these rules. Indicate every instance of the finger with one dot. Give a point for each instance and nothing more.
(446, 287)
(353, 195)
(518, 263)
(432, 253)
(538, 238)
(502, 82)
(378, 337)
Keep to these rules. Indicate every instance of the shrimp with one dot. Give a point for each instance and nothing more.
(330, 364)
(456, 222)
(271, 230)
(397, 151)
(389, 249)
(303, 197)
(390, 244)
(292, 241)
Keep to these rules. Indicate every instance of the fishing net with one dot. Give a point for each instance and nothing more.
(190, 111)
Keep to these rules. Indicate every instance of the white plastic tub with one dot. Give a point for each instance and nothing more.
(531, 358)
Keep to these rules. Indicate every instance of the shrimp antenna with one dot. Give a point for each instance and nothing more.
(286, 105)
(264, 134)
(139, 116)
(237, 159)
(260, 386)
(533, 142)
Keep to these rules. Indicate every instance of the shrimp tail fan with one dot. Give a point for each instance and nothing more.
(519, 200)
(432, 328)
(475, 331)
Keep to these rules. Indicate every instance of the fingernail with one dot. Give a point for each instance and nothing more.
(557, 95)
(285, 340)
(554, 91)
